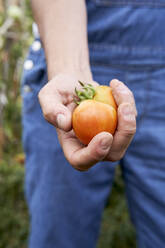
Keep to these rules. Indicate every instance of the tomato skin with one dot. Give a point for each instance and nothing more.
(104, 94)
(92, 117)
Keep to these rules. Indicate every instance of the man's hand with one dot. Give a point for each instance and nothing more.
(56, 99)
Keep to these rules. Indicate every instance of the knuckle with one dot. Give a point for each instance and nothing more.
(46, 115)
(41, 95)
(49, 116)
(74, 162)
(78, 164)
(129, 121)
(129, 132)
(127, 125)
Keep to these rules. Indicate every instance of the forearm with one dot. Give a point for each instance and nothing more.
(63, 30)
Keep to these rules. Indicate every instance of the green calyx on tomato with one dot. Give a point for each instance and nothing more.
(87, 92)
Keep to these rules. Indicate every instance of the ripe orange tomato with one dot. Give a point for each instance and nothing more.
(95, 114)
(104, 94)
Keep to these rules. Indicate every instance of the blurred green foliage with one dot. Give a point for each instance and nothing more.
(13, 211)
(15, 37)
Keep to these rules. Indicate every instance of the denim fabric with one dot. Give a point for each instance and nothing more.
(126, 41)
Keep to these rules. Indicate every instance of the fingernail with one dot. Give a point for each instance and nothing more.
(61, 120)
(105, 144)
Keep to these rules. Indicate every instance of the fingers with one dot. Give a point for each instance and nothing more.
(54, 110)
(80, 157)
(124, 133)
(126, 120)
(56, 100)
(122, 94)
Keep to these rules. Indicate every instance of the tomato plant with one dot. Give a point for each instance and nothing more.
(96, 112)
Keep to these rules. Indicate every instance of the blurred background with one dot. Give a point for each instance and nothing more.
(15, 37)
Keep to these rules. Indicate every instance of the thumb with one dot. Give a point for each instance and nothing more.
(83, 158)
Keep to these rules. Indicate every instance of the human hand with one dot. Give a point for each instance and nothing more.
(56, 99)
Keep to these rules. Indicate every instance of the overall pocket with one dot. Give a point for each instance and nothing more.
(136, 3)
(34, 77)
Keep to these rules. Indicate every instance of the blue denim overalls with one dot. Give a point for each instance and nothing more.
(126, 41)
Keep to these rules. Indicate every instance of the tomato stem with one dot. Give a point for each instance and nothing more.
(86, 93)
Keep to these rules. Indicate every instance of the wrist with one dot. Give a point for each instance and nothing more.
(80, 71)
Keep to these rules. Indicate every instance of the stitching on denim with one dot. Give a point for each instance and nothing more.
(127, 2)
(127, 48)
(133, 67)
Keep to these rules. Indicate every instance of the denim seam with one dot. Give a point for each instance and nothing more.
(122, 47)
(111, 2)
(129, 66)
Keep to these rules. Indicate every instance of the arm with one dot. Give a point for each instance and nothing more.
(62, 26)
(63, 29)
